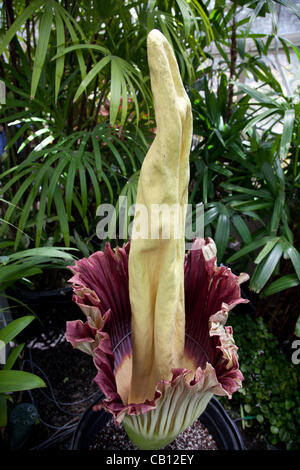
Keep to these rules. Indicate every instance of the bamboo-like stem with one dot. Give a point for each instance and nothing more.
(28, 38)
(12, 45)
(233, 57)
(99, 105)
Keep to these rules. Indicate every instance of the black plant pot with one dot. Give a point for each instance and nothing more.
(53, 309)
(42, 298)
(215, 418)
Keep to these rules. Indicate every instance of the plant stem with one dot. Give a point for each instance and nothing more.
(233, 57)
(33, 33)
(28, 42)
(12, 45)
(297, 150)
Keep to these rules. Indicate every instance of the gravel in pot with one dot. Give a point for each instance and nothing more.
(196, 437)
(214, 430)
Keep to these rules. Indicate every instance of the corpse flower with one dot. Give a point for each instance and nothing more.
(155, 316)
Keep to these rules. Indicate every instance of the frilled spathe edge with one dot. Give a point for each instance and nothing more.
(210, 293)
(204, 381)
(85, 336)
(176, 405)
(106, 327)
(231, 377)
(97, 343)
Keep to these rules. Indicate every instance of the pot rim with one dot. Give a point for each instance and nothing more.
(215, 418)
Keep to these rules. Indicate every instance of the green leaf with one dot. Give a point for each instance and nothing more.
(128, 152)
(259, 193)
(78, 206)
(63, 161)
(18, 176)
(222, 94)
(277, 211)
(222, 235)
(269, 175)
(95, 183)
(241, 44)
(266, 250)
(242, 229)
(115, 91)
(222, 52)
(60, 45)
(41, 213)
(77, 47)
(62, 215)
(11, 209)
(297, 328)
(186, 15)
(260, 418)
(286, 49)
(257, 95)
(91, 75)
(265, 269)
(83, 188)
(245, 206)
(82, 246)
(69, 188)
(291, 5)
(32, 137)
(205, 19)
(285, 282)
(49, 252)
(42, 47)
(258, 7)
(39, 175)
(293, 47)
(19, 22)
(124, 102)
(68, 19)
(14, 272)
(279, 172)
(247, 249)
(16, 380)
(109, 187)
(274, 429)
(9, 332)
(44, 143)
(287, 132)
(204, 184)
(211, 215)
(97, 155)
(294, 256)
(259, 117)
(116, 154)
(219, 169)
(13, 356)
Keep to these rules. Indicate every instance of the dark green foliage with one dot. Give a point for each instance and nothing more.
(270, 390)
(78, 108)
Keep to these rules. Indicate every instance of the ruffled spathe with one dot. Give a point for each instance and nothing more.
(210, 352)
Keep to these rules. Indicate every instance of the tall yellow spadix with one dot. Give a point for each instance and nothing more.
(156, 265)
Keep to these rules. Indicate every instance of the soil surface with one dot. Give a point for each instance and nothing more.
(196, 437)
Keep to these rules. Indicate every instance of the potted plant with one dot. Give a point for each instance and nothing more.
(32, 262)
(155, 315)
